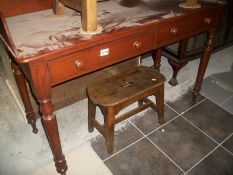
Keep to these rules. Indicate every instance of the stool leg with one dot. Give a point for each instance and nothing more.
(109, 129)
(160, 104)
(91, 115)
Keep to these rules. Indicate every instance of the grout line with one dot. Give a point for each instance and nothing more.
(224, 141)
(202, 158)
(213, 77)
(123, 149)
(226, 138)
(137, 128)
(186, 109)
(227, 150)
(226, 100)
(165, 154)
(144, 136)
(157, 146)
(179, 114)
(163, 125)
(193, 106)
(157, 127)
(219, 145)
(199, 130)
(218, 104)
(171, 108)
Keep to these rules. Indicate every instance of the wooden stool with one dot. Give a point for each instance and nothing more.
(117, 92)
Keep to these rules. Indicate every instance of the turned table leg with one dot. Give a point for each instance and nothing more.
(49, 121)
(203, 64)
(42, 89)
(21, 83)
(177, 66)
(156, 55)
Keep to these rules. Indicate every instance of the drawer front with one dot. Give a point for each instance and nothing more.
(94, 58)
(169, 32)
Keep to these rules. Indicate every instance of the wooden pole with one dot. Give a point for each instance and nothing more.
(58, 8)
(89, 16)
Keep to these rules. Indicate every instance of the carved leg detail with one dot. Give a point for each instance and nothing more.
(203, 64)
(156, 55)
(180, 63)
(42, 89)
(21, 83)
(176, 68)
(49, 121)
(31, 119)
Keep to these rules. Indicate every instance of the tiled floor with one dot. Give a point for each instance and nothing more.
(196, 139)
(219, 89)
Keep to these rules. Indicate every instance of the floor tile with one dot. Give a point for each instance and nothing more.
(148, 121)
(225, 78)
(215, 90)
(122, 138)
(182, 142)
(228, 105)
(142, 158)
(218, 163)
(184, 103)
(228, 144)
(212, 119)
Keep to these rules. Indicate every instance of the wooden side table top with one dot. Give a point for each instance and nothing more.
(38, 33)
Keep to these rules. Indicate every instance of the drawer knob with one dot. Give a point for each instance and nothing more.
(174, 31)
(137, 45)
(79, 64)
(207, 20)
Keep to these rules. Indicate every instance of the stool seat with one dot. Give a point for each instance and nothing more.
(120, 88)
(117, 92)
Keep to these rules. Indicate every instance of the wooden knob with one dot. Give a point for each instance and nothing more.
(79, 64)
(137, 45)
(174, 30)
(207, 20)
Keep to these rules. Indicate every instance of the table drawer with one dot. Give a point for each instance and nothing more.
(94, 58)
(174, 30)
